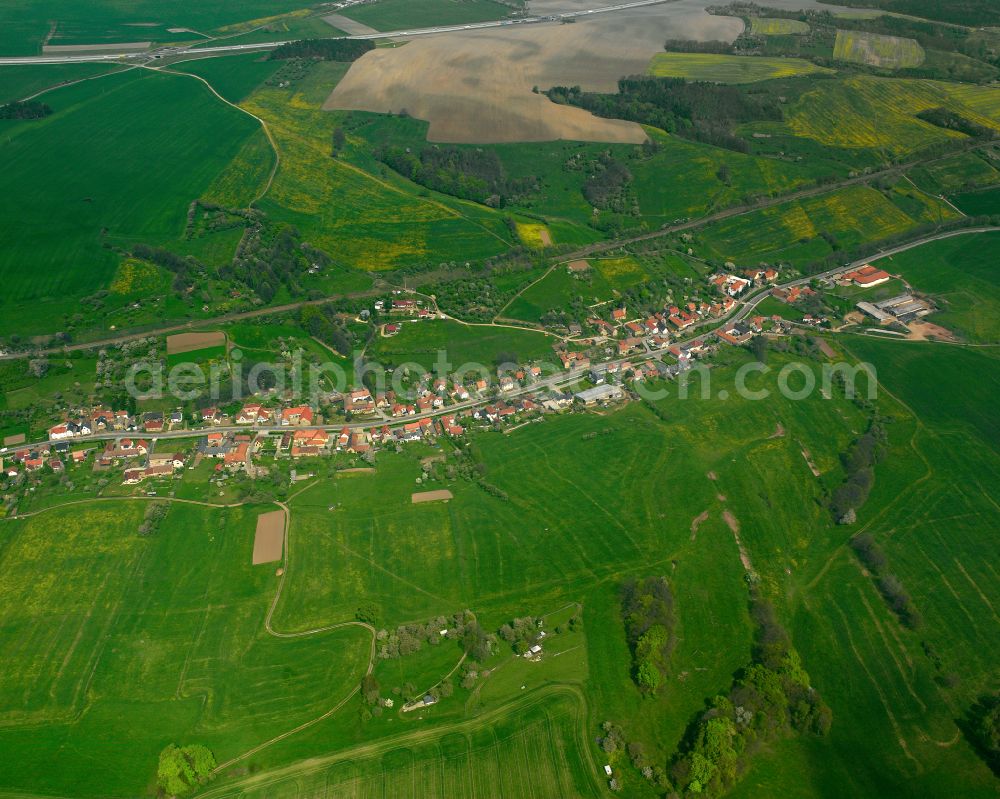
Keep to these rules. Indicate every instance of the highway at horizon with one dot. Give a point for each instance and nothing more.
(133, 57)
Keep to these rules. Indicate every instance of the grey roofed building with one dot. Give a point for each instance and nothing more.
(596, 394)
(871, 310)
(892, 302)
(911, 308)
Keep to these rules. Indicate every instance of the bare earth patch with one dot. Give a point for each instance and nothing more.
(431, 496)
(696, 523)
(826, 349)
(779, 431)
(922, 331)
(349, 26)
(475, 86)
(809, 461)
(14, 439)
(269, 538)
(188, 342)
(357, 470)
(734, 525)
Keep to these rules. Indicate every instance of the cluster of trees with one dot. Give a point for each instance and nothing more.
(608, 187)
(155, 513)
(323, 49)
(521, 634)
(770, 697)
(32, 109)
(705, 112)
(409, 638)
(889, 586)
(613, 742)
(648, 613)
(472, 174)
(983, 728)
(945, 118)
(713, 47)
(268, 256)
(323, 322)
(859, 462)
(478, 297)
(183, 269)
(470, 467)
(215, 217)
(183, 769)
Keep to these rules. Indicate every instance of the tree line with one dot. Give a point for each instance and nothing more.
(471, 174)
(859, 462)
(889, 585)
(323, 49)
(705, 112)
(31, 109)
(607, 187)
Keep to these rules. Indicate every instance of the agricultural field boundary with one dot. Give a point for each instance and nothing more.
(410, 738)
(267, 620)
(263, 124)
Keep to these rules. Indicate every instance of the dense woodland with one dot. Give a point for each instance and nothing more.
(32, 109)
(960, 12)
(269, 256)
(607, 186)
(946, 118)
(324, 49)
(472, 174)
(324, 323)
(704, 112)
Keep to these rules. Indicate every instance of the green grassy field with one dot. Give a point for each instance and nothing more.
(679, 179)
(978, 203)
(555, 292)
(730, 68)
(420, 343)
(19, 82)
(792, 231)
(878, 115)
(959, 172)
(64, 199)
(132, 640)
(160, 638)
(234, 77)
(394, 15)
(960, 274)
(365, 220)
(887, 52)
(25, 25)
(534, 748)
(771, 26)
